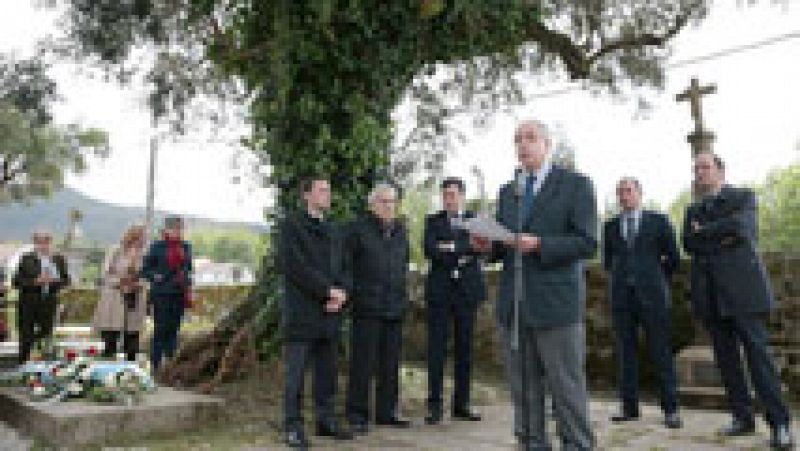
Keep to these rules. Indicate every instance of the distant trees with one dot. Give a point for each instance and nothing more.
(229, 246)
(779, 215)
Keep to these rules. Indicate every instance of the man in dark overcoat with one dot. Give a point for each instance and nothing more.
(731, 295)
(316, 289)
(378, 248)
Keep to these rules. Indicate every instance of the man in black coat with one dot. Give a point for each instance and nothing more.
(378, 249)
(40, 276)
(640, 253)
(731, 295)
(454, 288)
(316, 285)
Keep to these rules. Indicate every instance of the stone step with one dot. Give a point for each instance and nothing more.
(77, 424)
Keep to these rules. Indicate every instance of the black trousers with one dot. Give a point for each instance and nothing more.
(167, 315)
(463, 320)
(654, 319)
(298, 354)
(375, 354)
(728, 336)
(111, 338)
(34, 322)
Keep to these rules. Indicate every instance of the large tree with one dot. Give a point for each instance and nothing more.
(34, 152)
(322, 78)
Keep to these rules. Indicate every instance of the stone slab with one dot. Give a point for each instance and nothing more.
(79, 423)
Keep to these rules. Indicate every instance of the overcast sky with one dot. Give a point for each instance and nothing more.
(754, 115)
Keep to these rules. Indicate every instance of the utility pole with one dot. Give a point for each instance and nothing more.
(151, 182)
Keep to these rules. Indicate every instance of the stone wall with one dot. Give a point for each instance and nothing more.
(784, 324)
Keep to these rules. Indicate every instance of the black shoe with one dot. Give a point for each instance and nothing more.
(434, 416)
(333, 430)
(465, 415)
(781, 438)
(359, 427)
(673, 421)
(623, 417)
(394, 422)
(738, 427)
(296, 438)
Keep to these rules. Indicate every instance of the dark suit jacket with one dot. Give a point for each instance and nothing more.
(650, 262)
(726, 267)
(379, 268)
(439, 283)
(312, 261)
(164, 282)
(564, 215)
(28, 271)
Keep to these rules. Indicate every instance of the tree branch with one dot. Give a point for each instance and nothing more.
(579, 62)
(644, 40)
(9, 174)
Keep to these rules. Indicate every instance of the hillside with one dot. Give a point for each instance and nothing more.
(102, 222)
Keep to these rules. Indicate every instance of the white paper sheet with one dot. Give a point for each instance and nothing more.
(486, 227)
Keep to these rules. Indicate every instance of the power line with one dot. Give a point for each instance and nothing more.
(737, 49)
(690, 61)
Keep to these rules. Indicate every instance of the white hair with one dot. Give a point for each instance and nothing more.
(43, 232)
(543, 128)
(377, 189)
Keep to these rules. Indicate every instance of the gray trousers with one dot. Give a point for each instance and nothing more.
(555, 360)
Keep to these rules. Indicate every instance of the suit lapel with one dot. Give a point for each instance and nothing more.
(547, 191)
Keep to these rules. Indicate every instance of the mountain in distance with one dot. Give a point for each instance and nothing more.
(102, 222)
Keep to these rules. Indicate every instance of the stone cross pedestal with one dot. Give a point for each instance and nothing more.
(698, 376)
(701, 138)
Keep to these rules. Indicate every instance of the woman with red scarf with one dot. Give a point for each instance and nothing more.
(168, 268)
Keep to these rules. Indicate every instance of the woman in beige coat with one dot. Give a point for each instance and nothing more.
(123, 304)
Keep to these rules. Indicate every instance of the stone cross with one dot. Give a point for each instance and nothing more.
(693, 94)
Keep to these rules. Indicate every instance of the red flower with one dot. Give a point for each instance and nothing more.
(71, 355)
(54, 370)
(92, 351)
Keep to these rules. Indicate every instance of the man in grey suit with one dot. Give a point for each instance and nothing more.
(731, 295)
(558, 213)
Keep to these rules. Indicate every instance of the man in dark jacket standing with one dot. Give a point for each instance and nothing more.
(640, 253)
(316, 284)
(731, 295)
(454, 289)
(378, 246)
(39, 277)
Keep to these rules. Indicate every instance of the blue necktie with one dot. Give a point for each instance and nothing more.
(631, 229)
(530, 182)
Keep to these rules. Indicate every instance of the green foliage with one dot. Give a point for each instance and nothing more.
(229, 246)
(778, 210)
(323, 77)
(779, 213)
(416, 204)
(34, 153)
(677, 208)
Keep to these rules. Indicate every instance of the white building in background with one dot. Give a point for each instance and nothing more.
(209, 273)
